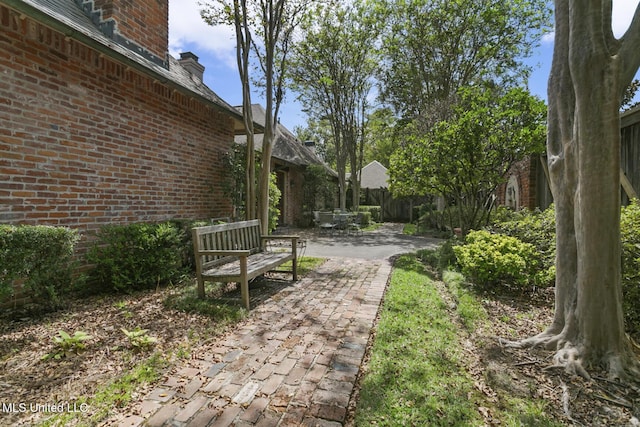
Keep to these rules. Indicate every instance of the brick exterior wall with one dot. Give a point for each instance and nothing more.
(525, 171)
(143, 21)
(291, 185)
(86, 141)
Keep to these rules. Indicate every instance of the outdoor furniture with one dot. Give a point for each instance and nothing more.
(326, 222)
(355, 224)
(236, 252)
(342, 221)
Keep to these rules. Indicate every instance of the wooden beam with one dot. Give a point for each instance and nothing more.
(627, 186)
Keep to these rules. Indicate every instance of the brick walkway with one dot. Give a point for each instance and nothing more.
(293, 362)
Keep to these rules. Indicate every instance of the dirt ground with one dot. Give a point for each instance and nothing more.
(27, 376)
(502, 372)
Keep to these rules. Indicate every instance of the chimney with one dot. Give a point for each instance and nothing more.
(189, 62)
(143, 25)
(311, 145)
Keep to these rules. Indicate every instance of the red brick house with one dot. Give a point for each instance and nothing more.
(526, 186)
(528, 183)
(98, 124)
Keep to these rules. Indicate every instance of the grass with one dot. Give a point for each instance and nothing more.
(306, 264)
(409, 229)
(373, 226)
(468, 307)
(118, 393)
(417, 375)
(185, 298)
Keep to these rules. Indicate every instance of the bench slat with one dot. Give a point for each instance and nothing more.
(260, 264)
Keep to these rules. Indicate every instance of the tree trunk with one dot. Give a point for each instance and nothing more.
(583, 148)
(243, 47)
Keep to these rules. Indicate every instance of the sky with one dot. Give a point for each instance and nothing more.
(215, 48)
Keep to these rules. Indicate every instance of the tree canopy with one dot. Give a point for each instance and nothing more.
(466, 157)
(430, 49)
(332, 71)
(264, 28)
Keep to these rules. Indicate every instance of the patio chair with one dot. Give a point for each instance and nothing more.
(342, 221)
(326, 222)
(355, 224)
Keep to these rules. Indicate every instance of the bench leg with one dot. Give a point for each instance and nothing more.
(294, 264)
(200, 287)
(244, 292)
(244, 282)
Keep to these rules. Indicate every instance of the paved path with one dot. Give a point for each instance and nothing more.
(293, 362)
(382, 243)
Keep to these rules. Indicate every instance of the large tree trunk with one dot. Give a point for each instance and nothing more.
(583, 148)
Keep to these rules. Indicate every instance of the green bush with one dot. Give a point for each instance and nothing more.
(137, 256)
(374, 211)
(489, 259)
(365, 219)
(42, 257)
(534, 227)
(184, 227)
(441, 258)
(274, 201)
(630, 234)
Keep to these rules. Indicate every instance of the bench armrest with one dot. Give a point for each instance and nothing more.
(238, 253)
(280, 237)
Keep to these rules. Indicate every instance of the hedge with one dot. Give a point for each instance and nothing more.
(41, 257)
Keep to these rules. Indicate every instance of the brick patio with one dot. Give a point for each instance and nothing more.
(293, 362)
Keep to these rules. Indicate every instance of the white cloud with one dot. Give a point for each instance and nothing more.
(186, 27)
(623, 11)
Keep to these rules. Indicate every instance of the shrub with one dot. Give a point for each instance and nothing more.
(534, 227)
(441, 258)
(137, 256)
(274, 201)
(630, 234)
(429, 218)
(365, 219)
(489, 259)
(184, 227)
(374, 212)
(42, 256)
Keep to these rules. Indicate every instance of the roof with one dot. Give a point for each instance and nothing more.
(630, 117)
(286, 146)
(68, 17)
(374, 176)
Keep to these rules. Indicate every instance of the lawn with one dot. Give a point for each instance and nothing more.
(437, 360)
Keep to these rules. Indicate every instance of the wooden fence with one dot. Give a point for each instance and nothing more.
(630, 154)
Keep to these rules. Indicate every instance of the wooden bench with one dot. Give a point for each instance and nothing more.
(237, 252)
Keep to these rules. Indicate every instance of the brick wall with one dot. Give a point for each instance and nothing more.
(525, 171)
(143, 21)
(295, 183)
(291, 184)
(86, 141)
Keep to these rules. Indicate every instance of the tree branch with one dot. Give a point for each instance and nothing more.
(629, 53)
